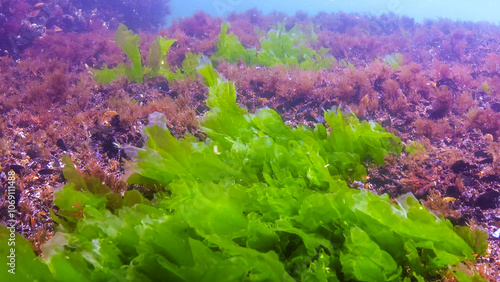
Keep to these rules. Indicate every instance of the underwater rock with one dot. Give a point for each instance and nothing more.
(437, 114)
(488, 200)
(462, 167)
(18, 169)
(115, 122)
(109, 147)
(490, 178)
(161, 84)
(33, 152)
(495, 107)
(481, 154)
(448, 82)
(453, 191)
(377, 85)
(46, 171)
(61, 145)
(486, 161)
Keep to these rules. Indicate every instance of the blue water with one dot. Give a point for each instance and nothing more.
(462, 10)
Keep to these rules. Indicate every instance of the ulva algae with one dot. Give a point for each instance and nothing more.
(257, 200)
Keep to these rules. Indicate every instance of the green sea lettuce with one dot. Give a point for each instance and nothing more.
(26, 265)
(157, 64)
(229, 47)
(129, 43)
(395, 60)
(278, 47)
(257, 200)
(273, 186)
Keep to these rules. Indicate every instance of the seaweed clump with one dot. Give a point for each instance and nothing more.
(256, 200)
(278, 47)
(157, 61)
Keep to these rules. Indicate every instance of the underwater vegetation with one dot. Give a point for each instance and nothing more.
(157, 64)
(279, 47)
(435, 85)
(256, 200)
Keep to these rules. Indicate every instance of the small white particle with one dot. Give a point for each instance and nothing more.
(216, 151)
(496, 234)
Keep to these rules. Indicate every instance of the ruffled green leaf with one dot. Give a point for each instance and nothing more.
(129, 43)
(256, 200)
